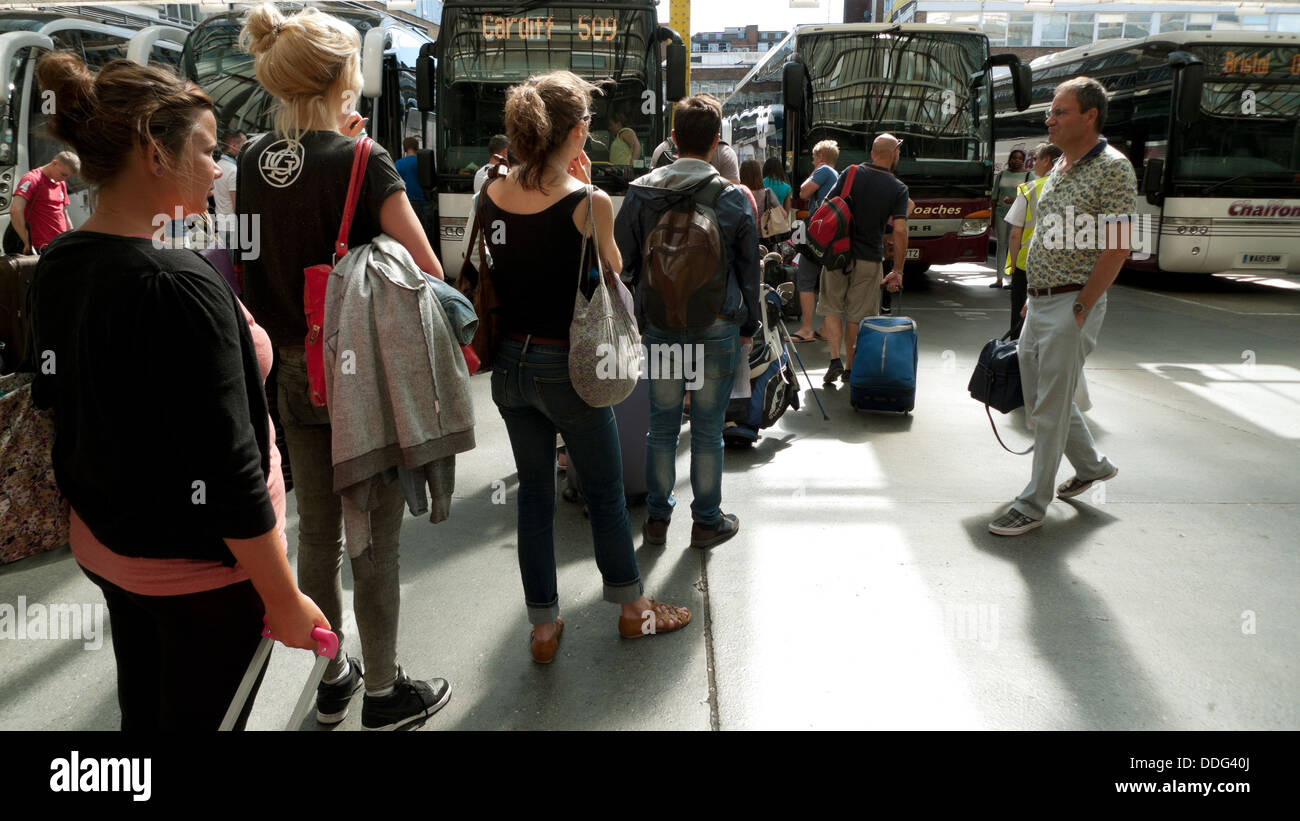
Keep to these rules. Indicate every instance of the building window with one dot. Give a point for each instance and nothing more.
(1081, 28)
(1255, 22)
(1227, 21)
(764, 46)
(1200, 22)
(1172, 22)
(938, 18)
(1055, 26)
(1137, 25)
(995, 26)
(1020, 29)
(1110, 27)
(713, 47)
(695, 46)
(966, 19)
(1288, 22)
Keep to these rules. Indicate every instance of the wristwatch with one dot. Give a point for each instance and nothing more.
(1079, 309)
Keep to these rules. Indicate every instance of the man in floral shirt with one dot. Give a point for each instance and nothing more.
(1078, 248)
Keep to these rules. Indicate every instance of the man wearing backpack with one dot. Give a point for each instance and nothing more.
(853, 292)
(690, 246)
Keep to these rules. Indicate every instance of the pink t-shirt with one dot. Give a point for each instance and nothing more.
(46, 201)
(177, 577)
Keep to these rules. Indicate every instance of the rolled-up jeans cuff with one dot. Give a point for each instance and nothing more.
(624, 593)
(543, 613)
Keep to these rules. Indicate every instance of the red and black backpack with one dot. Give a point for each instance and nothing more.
(830, 229)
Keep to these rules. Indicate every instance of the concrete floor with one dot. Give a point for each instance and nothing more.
(864, 590)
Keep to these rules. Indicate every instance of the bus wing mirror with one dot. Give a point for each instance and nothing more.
(425, 172)
(372, 63)
(1022, 83)
(1022, 78)
(1153, 180)
(794, 80)
(426, 77)
(676, 72)
(1189, 73)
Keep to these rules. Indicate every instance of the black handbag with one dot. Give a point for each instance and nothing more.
(996, 381)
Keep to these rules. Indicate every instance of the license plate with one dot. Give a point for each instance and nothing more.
(913, 253)
(1261, 259)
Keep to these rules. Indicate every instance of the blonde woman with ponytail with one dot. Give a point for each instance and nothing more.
(544, 209)
(294, 180)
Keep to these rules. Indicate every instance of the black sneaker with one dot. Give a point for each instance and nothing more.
(332, 700)
(844, 377)
(833, 372)
(410, 701)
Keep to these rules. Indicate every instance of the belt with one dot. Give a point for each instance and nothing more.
(534, 339)
(1059, 289)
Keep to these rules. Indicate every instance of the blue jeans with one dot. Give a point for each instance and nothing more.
(720, 345)
(531, 388)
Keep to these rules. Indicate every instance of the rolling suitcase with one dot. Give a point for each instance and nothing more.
(883, 375)
(328, 649)
(17, 273)
(633, 418)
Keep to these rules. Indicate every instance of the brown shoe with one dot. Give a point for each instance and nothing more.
(655, 531)
(544, 651)
(705, 537)
(667, 618)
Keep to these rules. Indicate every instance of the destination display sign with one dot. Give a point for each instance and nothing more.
(541, 27)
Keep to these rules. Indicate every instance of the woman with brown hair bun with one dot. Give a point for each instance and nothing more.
(154, 370)
(544, 210)
(295, 181)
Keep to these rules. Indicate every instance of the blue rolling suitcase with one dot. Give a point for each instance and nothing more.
(883, 377)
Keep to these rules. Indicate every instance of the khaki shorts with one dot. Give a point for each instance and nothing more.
(852, 293)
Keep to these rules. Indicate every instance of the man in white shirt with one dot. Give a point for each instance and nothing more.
(497, 148)
(223, 189)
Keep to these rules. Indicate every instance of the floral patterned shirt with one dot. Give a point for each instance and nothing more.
(1078, 213)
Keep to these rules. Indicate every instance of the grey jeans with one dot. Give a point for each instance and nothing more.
(377, 595)
(1052, 351)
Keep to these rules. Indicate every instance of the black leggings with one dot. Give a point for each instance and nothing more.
(181, 658)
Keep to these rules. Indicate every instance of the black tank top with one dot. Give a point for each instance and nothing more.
(535, 270)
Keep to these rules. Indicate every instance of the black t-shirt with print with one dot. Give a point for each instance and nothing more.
(876, 197)
(297, 191)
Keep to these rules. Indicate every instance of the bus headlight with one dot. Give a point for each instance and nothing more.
(973, 226)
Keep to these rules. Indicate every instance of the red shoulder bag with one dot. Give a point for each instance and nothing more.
(316, 279)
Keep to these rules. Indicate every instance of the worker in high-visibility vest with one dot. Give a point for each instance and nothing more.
(1021, 220)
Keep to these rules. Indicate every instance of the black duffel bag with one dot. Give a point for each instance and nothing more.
(996, 381)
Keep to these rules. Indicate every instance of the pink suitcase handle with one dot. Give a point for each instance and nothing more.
(327, 639)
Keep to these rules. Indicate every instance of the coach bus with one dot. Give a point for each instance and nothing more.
(24, 37)
(1211, 122)
(930, 86)
(389, 51)
(484, 48)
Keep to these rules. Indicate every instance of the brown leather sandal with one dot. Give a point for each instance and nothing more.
(665, 615)
(544, 651)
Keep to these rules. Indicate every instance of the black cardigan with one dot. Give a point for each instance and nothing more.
(161, 441)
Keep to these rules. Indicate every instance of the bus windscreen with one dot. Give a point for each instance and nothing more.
(1249, 134)
(483, 51)
(916, 86)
